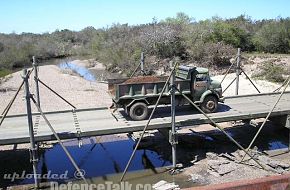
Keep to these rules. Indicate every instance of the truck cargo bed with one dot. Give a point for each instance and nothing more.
(146, 86)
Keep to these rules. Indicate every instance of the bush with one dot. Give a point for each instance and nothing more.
(212, 54)
(271, 72)
(4, 72)
(273, 37)
(162, 40)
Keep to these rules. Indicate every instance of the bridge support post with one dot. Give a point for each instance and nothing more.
(141, 65)
(142, 61)
(172, 132)
(35, 66)
(33, 149)
(238, 72)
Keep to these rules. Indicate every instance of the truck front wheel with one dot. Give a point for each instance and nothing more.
(209, 104)
(138, 111)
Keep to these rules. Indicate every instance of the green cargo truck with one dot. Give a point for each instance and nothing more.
(136, 94)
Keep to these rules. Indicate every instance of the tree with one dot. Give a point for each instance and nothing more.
(181, 18)
(273, 37)
(227, 33)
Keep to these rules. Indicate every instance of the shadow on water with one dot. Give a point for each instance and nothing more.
(13, 161)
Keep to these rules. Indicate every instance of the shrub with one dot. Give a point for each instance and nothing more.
(273, 37)
(271, 72)
(4, 72)
(212, 54)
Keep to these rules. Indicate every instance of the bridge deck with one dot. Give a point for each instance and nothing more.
(99, 121)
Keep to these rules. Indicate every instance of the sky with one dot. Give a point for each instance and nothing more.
(39, 16)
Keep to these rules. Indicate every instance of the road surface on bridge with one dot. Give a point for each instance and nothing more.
(99, 121)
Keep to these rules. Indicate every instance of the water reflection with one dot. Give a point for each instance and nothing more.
(96, 158)
(82, 71)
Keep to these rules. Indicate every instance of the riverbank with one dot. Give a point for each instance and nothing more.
(4, 72)
(78, 91)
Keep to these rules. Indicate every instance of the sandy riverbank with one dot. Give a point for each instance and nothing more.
(78, 91)
(245, 86)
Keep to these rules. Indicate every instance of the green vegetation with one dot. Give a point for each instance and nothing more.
(273, 37)
(272, 72)
(4, 72)
(210, 42)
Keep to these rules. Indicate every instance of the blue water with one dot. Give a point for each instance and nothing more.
(97, 159)
(82, 71)
(277, 145)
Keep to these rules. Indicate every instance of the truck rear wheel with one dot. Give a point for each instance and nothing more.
(138, 111)
(209, 104)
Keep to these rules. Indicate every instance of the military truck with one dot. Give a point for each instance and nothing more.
(136, 94)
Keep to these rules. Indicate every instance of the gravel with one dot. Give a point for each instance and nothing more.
(221, 168)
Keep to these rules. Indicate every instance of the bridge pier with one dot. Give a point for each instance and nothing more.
(282, 121)
(287, 125)
(164, 132)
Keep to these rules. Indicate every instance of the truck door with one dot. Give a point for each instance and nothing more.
(200, 85)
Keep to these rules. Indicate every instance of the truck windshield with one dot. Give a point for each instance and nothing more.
(201, 77)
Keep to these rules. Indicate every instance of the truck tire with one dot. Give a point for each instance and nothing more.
(138, 111)
(209, 104)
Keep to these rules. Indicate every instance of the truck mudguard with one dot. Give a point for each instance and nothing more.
(206, 93)
(138, 100)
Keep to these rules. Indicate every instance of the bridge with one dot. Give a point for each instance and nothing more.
(82, 123)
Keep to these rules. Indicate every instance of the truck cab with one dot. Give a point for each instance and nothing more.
(204, 91)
